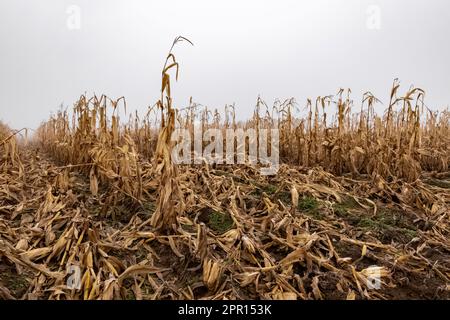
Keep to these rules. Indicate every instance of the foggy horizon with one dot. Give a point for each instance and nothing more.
(54, 51)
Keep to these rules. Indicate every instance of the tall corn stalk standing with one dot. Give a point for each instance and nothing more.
(165, 215)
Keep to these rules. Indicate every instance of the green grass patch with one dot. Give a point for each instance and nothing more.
(308, 204)
(386, 224)
(220, 222)
(342, 209)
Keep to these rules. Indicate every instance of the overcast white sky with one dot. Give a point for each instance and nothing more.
(276, 49)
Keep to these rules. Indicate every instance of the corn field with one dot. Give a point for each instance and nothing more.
(355, 188)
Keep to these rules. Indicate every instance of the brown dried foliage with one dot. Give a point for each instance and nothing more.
(354, 190)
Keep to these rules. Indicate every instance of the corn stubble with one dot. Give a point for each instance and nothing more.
(93, 192)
